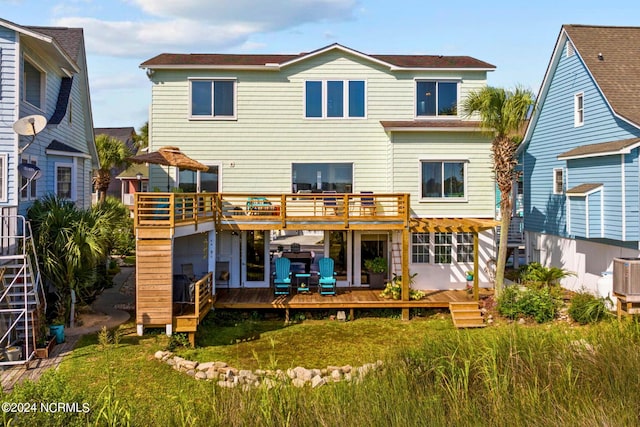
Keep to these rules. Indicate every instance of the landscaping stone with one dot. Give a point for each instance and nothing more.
(228, 376)
(317, 381)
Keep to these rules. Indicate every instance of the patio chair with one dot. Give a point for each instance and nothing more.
(367, 203)
(330, 204)
(282, 279)
(187, 270)
(327, 280)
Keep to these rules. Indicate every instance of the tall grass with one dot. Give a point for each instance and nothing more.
(502, 376)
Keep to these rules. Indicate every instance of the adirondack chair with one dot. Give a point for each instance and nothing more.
(282, 279)
(367, 203)
(327, 280)
(330, 204)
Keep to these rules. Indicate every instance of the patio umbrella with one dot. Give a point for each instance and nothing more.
(170, 156)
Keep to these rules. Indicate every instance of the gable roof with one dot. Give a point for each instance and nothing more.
(617, 70)
(124, 134)
(275, 62)
(616, 74)
(623, 146)
(56, 42)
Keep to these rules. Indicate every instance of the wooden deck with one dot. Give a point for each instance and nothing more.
(347, 298)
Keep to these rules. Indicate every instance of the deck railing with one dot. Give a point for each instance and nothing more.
(171, 209)
(204, 295)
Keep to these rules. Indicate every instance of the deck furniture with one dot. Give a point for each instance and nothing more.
(327, 280)
(329, 204)
(282, 279)
(303, 279)
(367, 203)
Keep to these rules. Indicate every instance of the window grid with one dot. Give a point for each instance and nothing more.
(442, 248)
(420, 248)
(464, 247)
(558, 181)
(63, 182)
(579, 109)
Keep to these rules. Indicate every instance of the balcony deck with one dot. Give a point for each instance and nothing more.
(272, 211)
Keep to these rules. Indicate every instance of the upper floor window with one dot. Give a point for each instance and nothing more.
(335, 99)
(33, 85)
(319, 177)
(213, 98)
(443, 179)
(578, 107)
(436, 98)
(558, 181)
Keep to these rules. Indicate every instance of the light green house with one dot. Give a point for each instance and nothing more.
(331, 120)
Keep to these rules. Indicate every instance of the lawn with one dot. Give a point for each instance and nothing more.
(550, 375)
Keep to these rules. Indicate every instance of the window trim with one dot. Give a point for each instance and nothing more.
(4, 177)
(578, 112)
(72, 166)
(463, 199)
(213, 116)
(43, 83)
(555, 181)
(453, 253)
(437, 81)
(345, 99)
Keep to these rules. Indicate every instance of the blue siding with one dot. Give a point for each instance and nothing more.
(555, 133)
(578, 211)
(632, 195)
(595, 217)
(605, 170)
(8, 93)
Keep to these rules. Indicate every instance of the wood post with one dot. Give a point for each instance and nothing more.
(476, 290)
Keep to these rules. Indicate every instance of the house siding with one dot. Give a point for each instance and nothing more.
(555, 133)
(257, 150)
(8, 111)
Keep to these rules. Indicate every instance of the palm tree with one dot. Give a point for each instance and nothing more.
(142, 137)
(503, 114)
(111, 153)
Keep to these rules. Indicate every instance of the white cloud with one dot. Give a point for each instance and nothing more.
(201, 25)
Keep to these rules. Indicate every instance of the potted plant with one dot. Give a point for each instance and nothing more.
(377, 268)
(44, 346)
(469, 276)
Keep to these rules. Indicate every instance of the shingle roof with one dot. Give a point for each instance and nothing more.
(124, 134)
(239, 60)
(618, 72)
(70, 39)
(582, 189)
(603, 148)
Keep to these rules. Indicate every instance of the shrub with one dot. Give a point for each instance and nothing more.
(541, 304)
(587, 308)
(535, 274)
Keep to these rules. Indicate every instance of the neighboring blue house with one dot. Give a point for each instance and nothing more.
(581, 169)
(43, 72)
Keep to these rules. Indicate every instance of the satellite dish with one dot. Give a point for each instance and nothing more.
(29, 171)
(29, 126)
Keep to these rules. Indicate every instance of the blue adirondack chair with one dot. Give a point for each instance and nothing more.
(327, 281)
(282, 280)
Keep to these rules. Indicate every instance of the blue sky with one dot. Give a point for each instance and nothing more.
(516, 36)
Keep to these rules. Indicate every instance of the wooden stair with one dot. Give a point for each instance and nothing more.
(466, 315)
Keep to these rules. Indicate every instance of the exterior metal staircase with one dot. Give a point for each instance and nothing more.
(22, 296)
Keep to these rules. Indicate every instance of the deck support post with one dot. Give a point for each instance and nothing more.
(476, 290)
(286, 315)
(139, 329)
(405, 271)
(168, 329)
(352, 314)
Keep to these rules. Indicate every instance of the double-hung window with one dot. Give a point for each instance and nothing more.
(335, 99)
(29, 189)
(64, 181)
(33, 84)
(578, 109)
(442, 248)
(436, 98)
(443, 179)
(213, 99)
(558, 181)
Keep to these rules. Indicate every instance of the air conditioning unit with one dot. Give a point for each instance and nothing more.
(626, 278)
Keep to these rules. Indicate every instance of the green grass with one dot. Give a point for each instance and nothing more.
(507, 375)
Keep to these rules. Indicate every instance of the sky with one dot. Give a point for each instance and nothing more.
(517, 37)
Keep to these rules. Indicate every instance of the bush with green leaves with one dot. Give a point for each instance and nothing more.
(587, 308)
(542, 304)
(537, 275)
